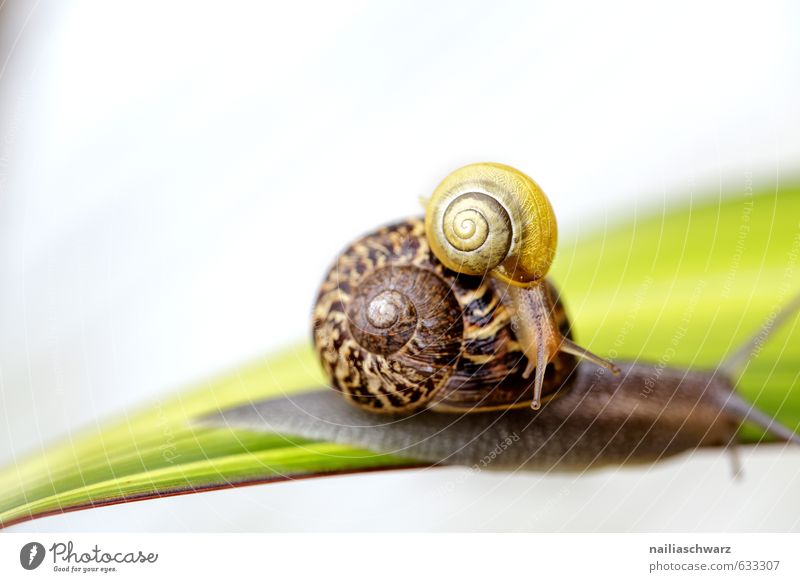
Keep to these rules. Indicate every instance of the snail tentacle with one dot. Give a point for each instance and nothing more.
(570, 347)
(539, 336)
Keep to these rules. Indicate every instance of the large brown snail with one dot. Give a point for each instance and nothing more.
(397, 331)
(455, 314)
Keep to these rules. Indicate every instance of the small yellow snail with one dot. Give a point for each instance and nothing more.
(492, 219)
(396, 331)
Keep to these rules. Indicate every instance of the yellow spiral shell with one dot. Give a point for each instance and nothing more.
(491, 217)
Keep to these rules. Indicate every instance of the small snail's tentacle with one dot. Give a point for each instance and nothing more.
(493, 219)
(534, 328)
(541, 356)
(570, 347)
(539, 336)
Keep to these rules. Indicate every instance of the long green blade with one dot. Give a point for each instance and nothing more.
(159, 452)
(678, 288)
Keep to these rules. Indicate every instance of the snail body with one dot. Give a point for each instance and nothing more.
(643, 415)
(602, 420)
(397, 331)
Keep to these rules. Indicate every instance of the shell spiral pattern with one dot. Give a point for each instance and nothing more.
(474, 221)
(491, 217)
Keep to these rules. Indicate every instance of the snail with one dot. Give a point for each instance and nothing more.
(489, 218)
(403, 324)
(399, 328)
(397, 331)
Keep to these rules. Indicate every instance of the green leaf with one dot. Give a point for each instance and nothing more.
(682, 288)
(159, 452)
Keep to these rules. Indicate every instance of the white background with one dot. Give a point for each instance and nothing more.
(175, 179)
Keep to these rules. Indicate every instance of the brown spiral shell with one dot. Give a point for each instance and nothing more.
(396, 331)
